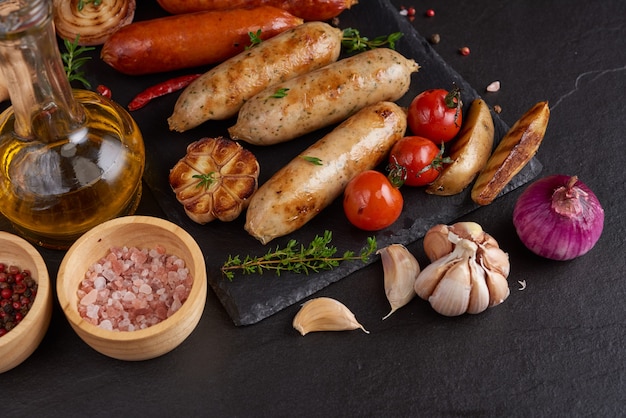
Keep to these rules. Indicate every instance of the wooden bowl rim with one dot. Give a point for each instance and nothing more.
(198, 288)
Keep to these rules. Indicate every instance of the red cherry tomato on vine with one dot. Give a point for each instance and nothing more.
(416, 161)
(371, 202)
(436, 114)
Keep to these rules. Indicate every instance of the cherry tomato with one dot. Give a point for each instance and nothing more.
(371, 202)
(436, 114)
(416, 161)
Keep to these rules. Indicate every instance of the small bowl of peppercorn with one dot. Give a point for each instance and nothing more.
(25, 300)
(133, 288)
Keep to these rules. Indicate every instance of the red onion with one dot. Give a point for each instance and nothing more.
(558, 217)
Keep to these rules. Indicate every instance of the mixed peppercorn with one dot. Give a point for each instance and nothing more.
(17, 294)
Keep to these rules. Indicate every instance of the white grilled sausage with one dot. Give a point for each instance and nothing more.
(220, 92)
(301, 189)
(323, 97)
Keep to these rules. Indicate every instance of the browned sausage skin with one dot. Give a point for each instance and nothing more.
(300, 190)
(191, 40)
(220, 92)
(329, 95)
(308, 10)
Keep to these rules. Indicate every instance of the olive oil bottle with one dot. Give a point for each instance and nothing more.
(69, 159)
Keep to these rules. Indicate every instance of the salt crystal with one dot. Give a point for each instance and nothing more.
(92, 311)
(99, 282)
(109, 274)
(128, 297)
(106, 324)
(493, 87)
(146, 289)
(89, 298)
(176, 304)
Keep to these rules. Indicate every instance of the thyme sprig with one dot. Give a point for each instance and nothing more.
(353, 41)
(296, 258)
(72, 60)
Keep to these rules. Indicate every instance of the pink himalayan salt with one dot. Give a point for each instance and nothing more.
(131, 288)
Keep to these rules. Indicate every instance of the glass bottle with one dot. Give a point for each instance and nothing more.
(69, 159)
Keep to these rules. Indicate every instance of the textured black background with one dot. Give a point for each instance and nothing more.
(556, 347)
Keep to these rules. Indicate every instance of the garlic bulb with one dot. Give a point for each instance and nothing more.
(468, 271)
(400, 269)
(325, 314)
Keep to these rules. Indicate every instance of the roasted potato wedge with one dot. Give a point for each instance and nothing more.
(513, 152)
(469, 152)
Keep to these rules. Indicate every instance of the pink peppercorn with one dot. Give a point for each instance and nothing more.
(430, 13)
(464, 51)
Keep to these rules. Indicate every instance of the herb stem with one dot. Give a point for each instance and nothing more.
(353, 41)
(317, 256)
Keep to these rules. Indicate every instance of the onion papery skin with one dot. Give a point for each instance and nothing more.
(554, 235)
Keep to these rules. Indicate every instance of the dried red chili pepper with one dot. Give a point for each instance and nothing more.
(104, 91)
(161, 89)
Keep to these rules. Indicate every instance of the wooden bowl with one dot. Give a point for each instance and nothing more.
(19, 343)
(141, 232)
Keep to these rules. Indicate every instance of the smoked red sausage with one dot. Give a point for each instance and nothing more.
(306, 9)
(191, 39)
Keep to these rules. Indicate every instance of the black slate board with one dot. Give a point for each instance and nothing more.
(249, 299)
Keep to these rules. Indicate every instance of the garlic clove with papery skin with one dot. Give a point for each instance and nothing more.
(498, 287)
(479, 295)
(400, 269)
(325, 314)
(436, 242)
(451, 297)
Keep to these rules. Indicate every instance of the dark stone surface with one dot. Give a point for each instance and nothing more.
(557, 347)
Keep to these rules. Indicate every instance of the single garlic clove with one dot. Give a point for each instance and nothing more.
(468, 230)
(325, 314)
(452, 294)
(436, 243)
(400, 269)
(498, 287)
(428, 278)
(494, 259)
(479, 295)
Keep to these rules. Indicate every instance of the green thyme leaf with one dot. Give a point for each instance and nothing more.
(255, 39)
(312, 160)
(82, 3)
(205, 180)
(280, 93)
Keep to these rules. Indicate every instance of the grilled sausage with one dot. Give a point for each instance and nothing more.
(301, 189)
(306, 9)
(190, 40)
(323, 97)
(220, 92)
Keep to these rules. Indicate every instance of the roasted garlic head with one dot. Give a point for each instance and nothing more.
(215, 179)
(468, 270)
